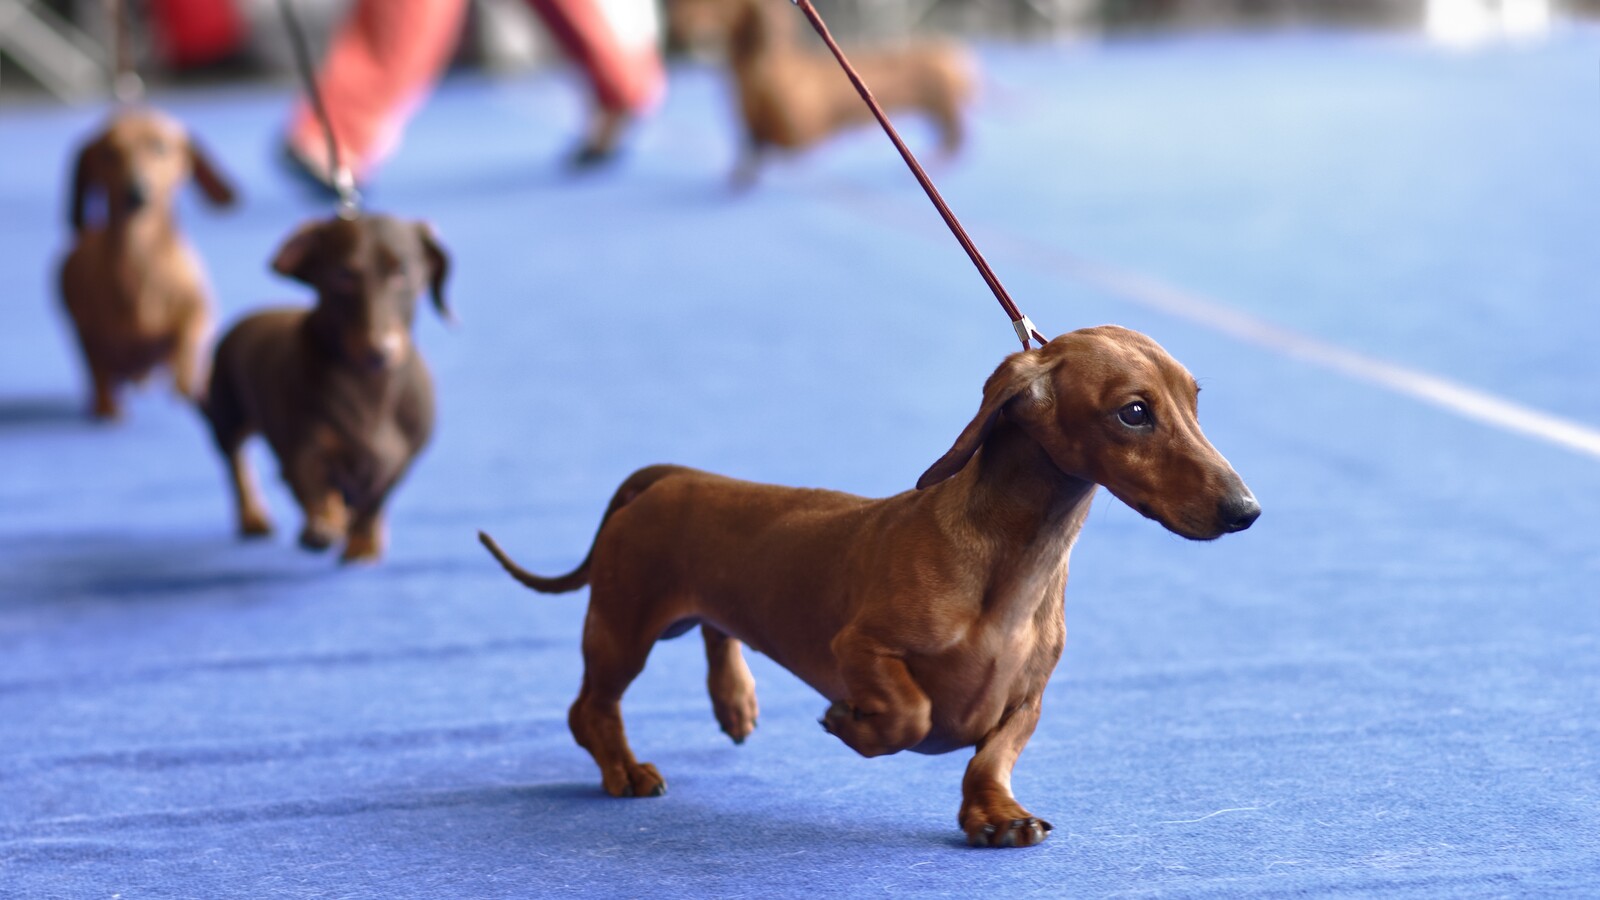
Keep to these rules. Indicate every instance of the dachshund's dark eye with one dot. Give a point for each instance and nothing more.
(344, 279)
(1134, 415)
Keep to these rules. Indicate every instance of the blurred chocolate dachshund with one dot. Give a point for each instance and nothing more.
(339, 391)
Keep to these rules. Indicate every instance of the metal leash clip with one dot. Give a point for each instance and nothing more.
(344, 184)
(127, 88)
(342, 179)
(1025, 330)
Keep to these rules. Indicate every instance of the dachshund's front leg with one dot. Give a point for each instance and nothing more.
(990, 816)
(752, 154)
(883, 710)
(310, 475)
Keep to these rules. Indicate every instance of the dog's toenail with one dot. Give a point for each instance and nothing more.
(660, 790)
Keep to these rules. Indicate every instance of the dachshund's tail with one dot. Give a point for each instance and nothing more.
(632, 487)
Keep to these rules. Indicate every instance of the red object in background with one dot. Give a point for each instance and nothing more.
(195, 32)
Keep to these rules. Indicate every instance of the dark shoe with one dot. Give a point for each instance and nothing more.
(592, 156)
(308, 173)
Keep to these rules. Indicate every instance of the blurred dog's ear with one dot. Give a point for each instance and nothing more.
(296, 257)
(438, 268)
(86, 178)
(213, 184)
(1020, 373)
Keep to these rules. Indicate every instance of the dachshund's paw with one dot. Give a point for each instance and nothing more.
(317, 536)
(875, 732)
(360, 550)
(254, 524)
(365, 544)
(869, 734)
(737, 717)
(1019, 832)
(733, 701)
(641, 780)
(839, 717)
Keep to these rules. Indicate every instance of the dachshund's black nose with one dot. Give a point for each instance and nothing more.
(1239, 512)
(135, 196)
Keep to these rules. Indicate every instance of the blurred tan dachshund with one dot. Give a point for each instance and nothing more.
(931, 620)
(338, 390)
(792, 97)
(134, 288)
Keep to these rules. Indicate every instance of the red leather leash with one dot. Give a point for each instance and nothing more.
(1019, 322)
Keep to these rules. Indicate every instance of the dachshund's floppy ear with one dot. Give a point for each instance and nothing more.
(296, 256)
(1021, 373)
(212, 183)
(438, 268)
(750, 32)
(86, 178)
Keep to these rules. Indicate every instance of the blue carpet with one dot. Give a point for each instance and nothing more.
(1389, 687)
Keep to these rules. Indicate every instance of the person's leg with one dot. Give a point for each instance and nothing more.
(614, 43)
(381, 65)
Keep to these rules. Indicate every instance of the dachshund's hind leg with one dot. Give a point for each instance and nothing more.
(733, 689)
(230, 430)
(103, 403)
(752, 154)
(253, 521)
(946, 114)
(617, 638)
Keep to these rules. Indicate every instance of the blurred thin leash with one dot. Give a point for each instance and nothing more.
(344, 183)
(1020, 323)
(127, 88)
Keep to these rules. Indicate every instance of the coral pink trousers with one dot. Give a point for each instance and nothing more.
(389, 53)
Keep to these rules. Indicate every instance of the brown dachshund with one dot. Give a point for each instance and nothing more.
(791, 98)
(133, 286)
(931, 619)
(339, 390)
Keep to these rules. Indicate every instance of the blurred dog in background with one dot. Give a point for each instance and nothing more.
(134, 288)
(338, 390)
(792, 97)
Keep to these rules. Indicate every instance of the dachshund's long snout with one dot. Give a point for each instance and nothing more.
(136, 196)
(1239, 512)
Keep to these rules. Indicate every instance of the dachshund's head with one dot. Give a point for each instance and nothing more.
(135, 167)
(1110, 406)
(368, 273)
